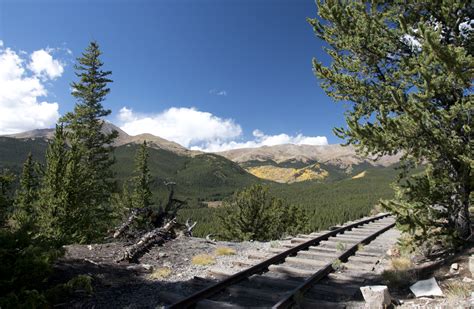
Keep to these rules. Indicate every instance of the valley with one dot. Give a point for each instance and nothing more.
(331, 183)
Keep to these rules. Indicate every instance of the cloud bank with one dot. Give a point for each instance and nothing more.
(204, 131)
(22, 84)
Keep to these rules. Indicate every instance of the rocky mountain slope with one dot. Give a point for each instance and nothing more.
(293, 163)
(198, 176)
(122, 139)
(282, 163)
(335, 154)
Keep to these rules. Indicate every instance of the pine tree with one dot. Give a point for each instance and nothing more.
(6, 200)
(141, 196)
(27, 194)
(80, 183)
(85, 127)
(54, 202)
(406, 70)
(252, 214)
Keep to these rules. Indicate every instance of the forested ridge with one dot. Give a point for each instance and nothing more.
(210, 177)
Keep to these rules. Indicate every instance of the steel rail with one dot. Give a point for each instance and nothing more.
(289, 299)
(212, 290)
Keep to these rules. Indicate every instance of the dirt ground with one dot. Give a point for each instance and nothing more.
(456, 285)
(126, 285)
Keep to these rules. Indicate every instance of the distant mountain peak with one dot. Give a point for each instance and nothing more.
(122, 139)
(333, 154)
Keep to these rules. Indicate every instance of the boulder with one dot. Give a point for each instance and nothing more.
(428, 287)
(144, 268)
(376, 296)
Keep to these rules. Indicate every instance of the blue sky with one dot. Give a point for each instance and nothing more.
(244, 66)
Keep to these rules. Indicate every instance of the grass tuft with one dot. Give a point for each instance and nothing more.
(203, 260)
(340, 246)
(224, 251)
(401, 274)
(401, 263)
(160, 273)
(456, 289)
(337, 265)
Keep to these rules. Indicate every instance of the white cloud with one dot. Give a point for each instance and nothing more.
(1, 43)
(186, 126)
(218, 92)
(43, 65)
(21, 88)
(204, 131)
(260, 139)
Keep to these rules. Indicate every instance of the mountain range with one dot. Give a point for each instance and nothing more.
(323, 180)
(281, 163)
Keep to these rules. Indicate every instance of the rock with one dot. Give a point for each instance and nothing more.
(427, 287)
(146, 268)
(162, 255)
(376, 296)
(89, 247)
(467, 280)
(455, 266)
(471, 265)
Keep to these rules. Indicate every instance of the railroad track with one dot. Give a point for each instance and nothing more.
(285, 279)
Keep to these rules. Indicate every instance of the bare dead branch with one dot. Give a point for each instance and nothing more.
(156, 236)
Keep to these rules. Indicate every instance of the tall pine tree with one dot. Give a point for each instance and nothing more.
(141, 195)
(27, 194)
(54, 202)
(88, 178)
(85, 126)
(6, 199)
(405, 67)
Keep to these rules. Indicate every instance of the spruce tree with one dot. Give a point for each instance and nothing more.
(54, 202)
(252, 214)
(85, 126)
(405, 68)
(141, 196)
(6, 199)
(80, 208)
(27, 194)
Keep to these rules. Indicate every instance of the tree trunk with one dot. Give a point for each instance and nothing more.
(156, 236)
(462, 221)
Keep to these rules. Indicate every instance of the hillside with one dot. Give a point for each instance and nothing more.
(288, 174)
(334, 154)
(122, 139)
(295, 163)
(325, 203)
(329, 194)
(198, 177)
(202, 177)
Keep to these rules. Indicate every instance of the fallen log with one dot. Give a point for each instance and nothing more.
(125, 226)
(156, 236)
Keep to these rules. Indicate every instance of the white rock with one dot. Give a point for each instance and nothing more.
(376, 296)
(147, 267)
(141, 267)
(427, 287)
(455, 266)
(89, 247)
(467, 280)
